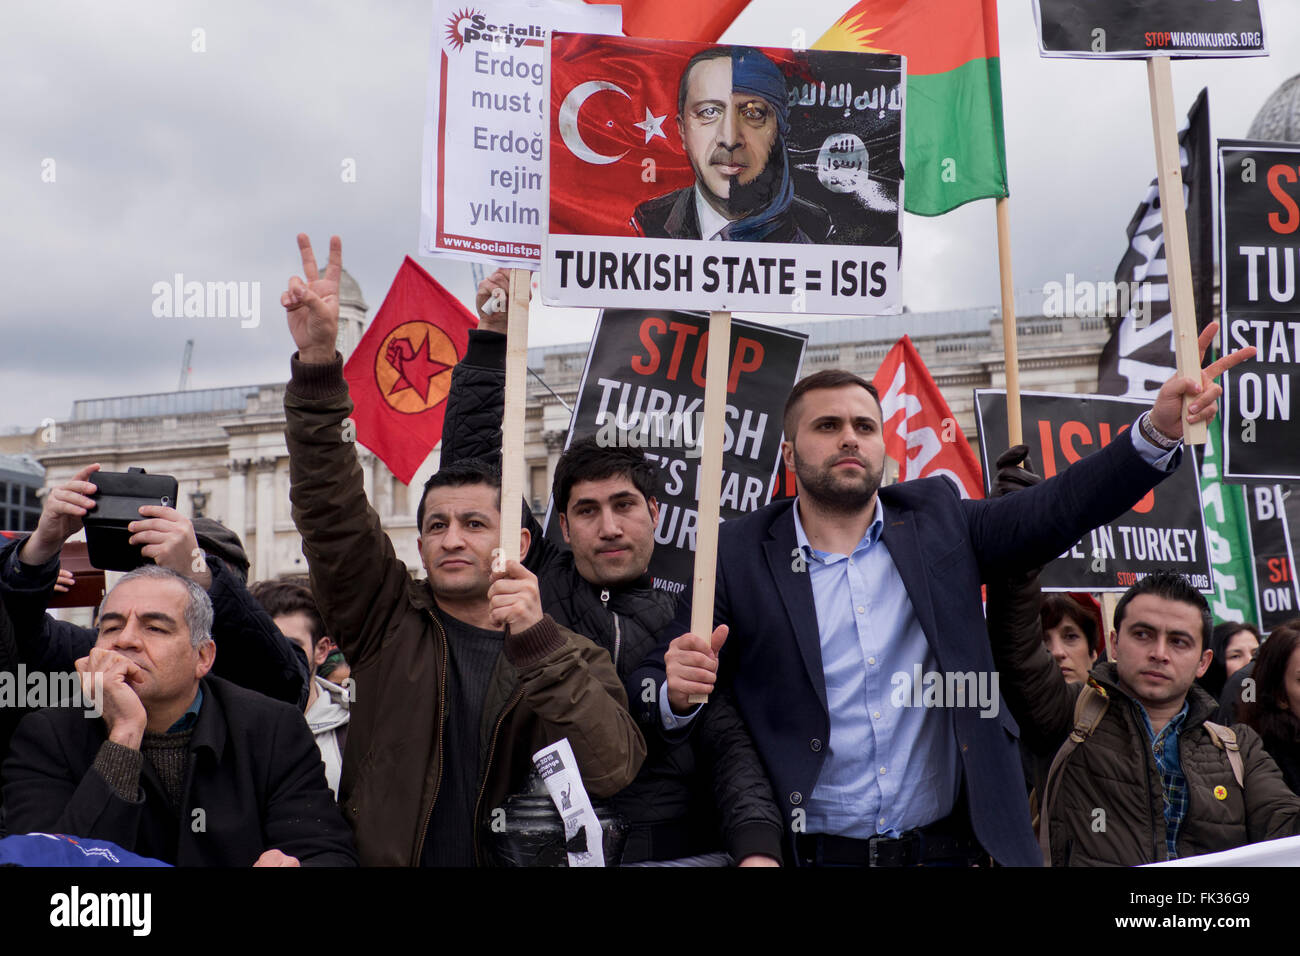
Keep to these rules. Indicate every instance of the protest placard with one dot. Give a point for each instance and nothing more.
(643, 387)
(1163, 531)
(483, 182)
(1259, 223)
(792, 157)
(1125, 29)
(1270, 543)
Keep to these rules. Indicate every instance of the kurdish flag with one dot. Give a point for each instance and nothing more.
(953, 144)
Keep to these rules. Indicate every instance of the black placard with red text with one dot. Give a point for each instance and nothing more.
(1270, 545)
(643, 387)
(1259, 222)
(1165, 530)
(1125, 29)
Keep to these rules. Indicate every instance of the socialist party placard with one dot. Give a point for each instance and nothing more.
(1163, 531)
(1126, 29)
(1259, 233)
(1270, 543)
(483, 181)
(790, 159)
(643, 387)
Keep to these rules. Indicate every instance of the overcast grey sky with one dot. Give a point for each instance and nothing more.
(169, 161)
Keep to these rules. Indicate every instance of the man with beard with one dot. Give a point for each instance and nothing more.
(733, 119)
(863, 672)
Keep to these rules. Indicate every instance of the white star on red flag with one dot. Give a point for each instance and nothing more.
(653, 125)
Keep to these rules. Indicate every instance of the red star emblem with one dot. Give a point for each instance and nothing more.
(414, 366)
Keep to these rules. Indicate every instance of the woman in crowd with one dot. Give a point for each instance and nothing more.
(1072, 633)
(1275, 712)
(1234, 644)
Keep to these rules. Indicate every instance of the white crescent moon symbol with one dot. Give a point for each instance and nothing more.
(569, 121)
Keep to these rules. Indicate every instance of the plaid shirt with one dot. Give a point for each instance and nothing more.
(1164, 747)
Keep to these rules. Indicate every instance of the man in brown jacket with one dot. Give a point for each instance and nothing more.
(448, 708)
(1154, 780)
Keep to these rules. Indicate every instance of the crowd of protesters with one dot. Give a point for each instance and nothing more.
(366, 716)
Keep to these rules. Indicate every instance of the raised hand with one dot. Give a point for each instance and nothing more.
(312, 306)
(1167, 412)
(166, 536)
(65, 506)
(497, 286)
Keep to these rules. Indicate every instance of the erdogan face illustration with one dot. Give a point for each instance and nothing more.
(728, 136)
(732, 115)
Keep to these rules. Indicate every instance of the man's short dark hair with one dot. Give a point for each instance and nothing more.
(588, 460)
(282, 598)
(708, 53)
(827, 378)
(1171, 586)
(467, 471)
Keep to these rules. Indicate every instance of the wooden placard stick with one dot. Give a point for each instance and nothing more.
(1010, 351)
(1173, 213)
(709, 506)
(1108, 601)
(512, 421)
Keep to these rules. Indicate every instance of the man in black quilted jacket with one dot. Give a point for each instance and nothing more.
(691, 800)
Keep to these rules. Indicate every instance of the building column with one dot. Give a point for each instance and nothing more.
(236, 500)
(554, 448)
(265, 520)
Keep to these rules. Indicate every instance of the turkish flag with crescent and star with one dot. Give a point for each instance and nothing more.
(400, 373)
(618, 114)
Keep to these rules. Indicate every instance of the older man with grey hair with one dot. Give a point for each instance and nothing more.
(181, 766)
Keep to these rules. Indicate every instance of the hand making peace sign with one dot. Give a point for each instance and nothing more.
(313, 306)
(1167, 412)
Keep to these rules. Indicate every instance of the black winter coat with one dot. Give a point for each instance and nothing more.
(673, 810)
(254, 771)
(251, 651)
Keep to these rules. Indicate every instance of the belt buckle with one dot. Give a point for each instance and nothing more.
(905, 850)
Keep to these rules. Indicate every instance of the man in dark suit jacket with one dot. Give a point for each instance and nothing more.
(865, 673)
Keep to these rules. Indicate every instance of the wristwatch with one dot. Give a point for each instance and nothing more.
(1152, 434)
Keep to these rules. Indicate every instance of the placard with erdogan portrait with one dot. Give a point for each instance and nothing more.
(703, 176)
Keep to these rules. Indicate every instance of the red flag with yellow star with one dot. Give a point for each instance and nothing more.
(400, 373)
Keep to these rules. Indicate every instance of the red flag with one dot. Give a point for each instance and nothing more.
(674, 20)
(625, 109)
(400, 373)
(617, 115)
(921, 433)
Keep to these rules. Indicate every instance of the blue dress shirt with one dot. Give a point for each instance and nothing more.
(888, 768)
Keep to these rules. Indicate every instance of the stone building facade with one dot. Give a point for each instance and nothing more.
(226, 446)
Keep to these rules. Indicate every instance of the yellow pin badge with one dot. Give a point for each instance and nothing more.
(1220, 793)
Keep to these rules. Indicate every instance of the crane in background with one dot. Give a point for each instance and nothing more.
(185, 365)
